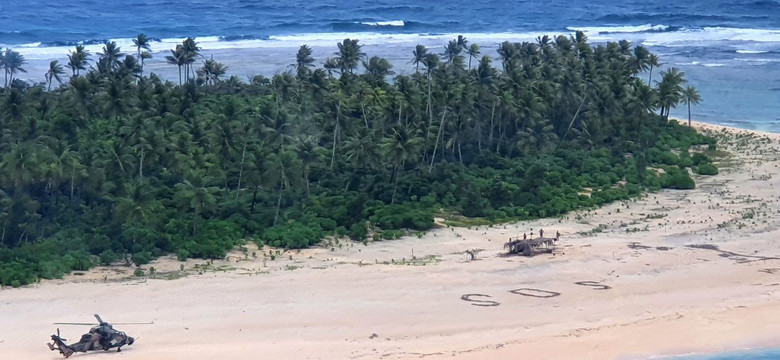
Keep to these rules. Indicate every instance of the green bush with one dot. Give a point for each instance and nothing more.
(402, 217)
(358, 231)
(107, 257)
(699, 158)
(292, 235)
(678, 180)
(142, 258)
(182, 254)
(706, 169)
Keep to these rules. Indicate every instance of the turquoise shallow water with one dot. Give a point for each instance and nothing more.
(757, 354)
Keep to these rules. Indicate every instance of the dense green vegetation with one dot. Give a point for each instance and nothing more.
(114, 164)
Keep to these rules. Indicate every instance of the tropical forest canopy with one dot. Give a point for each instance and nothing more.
(116, 164)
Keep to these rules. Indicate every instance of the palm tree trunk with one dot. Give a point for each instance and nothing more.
(430, 119)
(436, 144)
(363, 111)
(195, 221)
(306, 178)
(279, 199)
(335, 136)
(254, 199)
(650, 78)
(396, 172)
(460, 154)
(241, 170)
(689, 113)
(141, 167)
(572, 121)
(492, 116)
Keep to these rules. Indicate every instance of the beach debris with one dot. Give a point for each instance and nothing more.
(472, 253)
(638, 246)
(373, 336)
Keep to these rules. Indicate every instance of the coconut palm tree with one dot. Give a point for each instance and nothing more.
(670, 90)
(303, 61)
(452, 50)
(111, 56)
(141, 42)
(145, 55)
(378, 69)
(640, 61)
(462, 43)
(349, 55)
(473, 52)
(11, 62)
(55, 72)
(402, 145)
(420, 51)
(178, 57)
(191, 53)
(211, 71)
(652, 62)
(690, 96)
(77, 60)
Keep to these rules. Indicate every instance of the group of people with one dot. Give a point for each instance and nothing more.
(541, 234)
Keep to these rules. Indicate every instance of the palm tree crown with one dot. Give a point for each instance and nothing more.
(55, 72)
(77, 60)
(11, 62)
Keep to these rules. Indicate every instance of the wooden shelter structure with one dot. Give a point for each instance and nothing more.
(530, 247)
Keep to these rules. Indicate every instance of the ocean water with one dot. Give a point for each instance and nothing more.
(757, 354)
(729, 50)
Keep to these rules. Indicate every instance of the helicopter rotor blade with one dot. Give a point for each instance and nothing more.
(69, 323)
(98, 318)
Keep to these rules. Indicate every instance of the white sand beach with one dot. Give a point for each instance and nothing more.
(673, 272)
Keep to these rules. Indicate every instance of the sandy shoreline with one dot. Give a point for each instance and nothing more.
(402, 299)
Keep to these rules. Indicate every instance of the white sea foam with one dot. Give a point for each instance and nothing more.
(618, 29)
(399, 23)
(680, 38)
(757, 61)
(751, 51)
(686, 37)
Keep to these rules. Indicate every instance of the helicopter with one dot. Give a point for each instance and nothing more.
(100, 337)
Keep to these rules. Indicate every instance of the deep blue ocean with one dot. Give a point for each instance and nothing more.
(729, 50)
